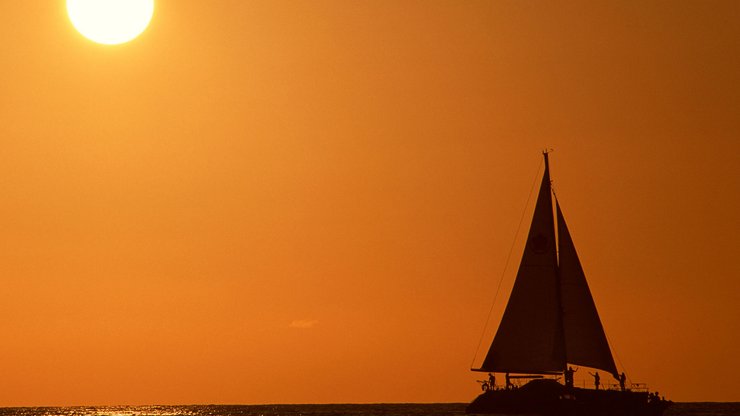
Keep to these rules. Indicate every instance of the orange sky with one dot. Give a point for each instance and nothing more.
(312, 201)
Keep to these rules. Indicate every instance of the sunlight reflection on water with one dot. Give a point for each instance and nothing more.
(252, 410)
(454, 409)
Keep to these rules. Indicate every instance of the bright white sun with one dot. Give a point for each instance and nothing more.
(110, 21)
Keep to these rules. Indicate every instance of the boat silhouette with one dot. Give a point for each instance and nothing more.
(550, 323)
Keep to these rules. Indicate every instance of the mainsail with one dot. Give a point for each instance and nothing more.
(530, 336)
(550, 319)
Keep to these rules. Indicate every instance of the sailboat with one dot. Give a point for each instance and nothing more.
(550, 323)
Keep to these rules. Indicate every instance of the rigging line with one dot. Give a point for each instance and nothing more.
(506, 264)
(611, 345)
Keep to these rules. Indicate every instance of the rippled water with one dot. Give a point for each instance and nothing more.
(252, 410)
(454, 409)
(704, 409)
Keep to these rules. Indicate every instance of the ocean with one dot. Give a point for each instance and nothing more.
(444, 409)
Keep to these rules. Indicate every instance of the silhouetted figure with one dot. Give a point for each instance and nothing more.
(569, 377)
(622, 381)
(491, 381)
(596, 379)
(508, 382)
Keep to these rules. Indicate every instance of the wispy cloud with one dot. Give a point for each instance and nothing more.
(303, 323)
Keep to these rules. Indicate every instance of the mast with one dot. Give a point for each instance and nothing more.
(561, 326)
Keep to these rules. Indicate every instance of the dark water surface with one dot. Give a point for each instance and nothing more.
(451, 409)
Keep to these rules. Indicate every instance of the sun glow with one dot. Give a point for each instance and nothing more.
(110, 22)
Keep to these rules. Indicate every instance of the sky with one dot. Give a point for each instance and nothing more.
(314, 201)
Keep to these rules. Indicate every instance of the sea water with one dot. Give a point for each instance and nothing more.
(445, 409)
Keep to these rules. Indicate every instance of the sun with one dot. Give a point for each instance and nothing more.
(110, 22)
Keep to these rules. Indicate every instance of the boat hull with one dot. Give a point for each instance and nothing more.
(550, 398)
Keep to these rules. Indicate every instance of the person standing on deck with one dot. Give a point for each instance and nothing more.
(569, 377)
(491, 381)
(622, 381)
(596, 379)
